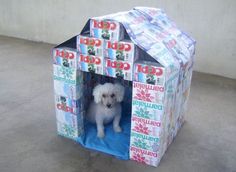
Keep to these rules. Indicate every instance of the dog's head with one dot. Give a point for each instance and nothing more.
(108, 94)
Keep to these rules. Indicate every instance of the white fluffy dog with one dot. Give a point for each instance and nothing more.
(106, 107)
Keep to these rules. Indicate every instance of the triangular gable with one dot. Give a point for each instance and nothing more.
(142, 51)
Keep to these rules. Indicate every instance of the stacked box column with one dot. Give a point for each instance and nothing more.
(146, 123)
(68, 93)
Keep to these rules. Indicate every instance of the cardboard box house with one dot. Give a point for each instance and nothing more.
(146, 52)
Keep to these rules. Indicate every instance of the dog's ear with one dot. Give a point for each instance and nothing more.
(97, 93)
(119, 91)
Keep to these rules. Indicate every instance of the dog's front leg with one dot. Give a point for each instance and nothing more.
(116, 124)
(100, 128)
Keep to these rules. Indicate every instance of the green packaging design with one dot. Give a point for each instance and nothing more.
(67, 75)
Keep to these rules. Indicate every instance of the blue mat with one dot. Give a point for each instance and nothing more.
(116, 144)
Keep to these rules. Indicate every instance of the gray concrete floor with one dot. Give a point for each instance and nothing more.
(28, 139)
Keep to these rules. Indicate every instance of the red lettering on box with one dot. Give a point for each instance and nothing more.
(104, 25)
(90, 41)
(65, 54)
(150, 70)
(119, 46)
(90, 59)
(118, 64)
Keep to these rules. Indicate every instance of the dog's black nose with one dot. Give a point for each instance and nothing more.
(108, 105)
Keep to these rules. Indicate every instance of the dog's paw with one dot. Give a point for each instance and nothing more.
(117, 129)
(100, 135)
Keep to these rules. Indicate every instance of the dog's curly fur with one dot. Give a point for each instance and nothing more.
(106, 107)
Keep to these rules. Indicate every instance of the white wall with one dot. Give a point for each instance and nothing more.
(211, 22)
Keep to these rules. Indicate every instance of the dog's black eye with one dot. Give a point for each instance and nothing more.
(103, 95)
(113, 95)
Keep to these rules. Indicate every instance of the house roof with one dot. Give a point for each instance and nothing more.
(156, 34)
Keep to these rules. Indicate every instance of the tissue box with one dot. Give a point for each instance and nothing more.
(147, 110)
(148, 93)
(149, 72)
(106, 29)
(122, 50)
(68, 90)
(90, 46)
(65, 104)
(93, 64)
(70, 125)
(67, 75)
(66, 57)
(118, 69)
